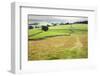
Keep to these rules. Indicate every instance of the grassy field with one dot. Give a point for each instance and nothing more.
(59, 42)
(57, 30)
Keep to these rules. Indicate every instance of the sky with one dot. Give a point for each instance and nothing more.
(54, 19)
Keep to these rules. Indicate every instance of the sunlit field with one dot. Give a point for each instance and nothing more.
(59, 42)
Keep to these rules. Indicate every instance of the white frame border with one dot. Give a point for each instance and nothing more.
(16, 30)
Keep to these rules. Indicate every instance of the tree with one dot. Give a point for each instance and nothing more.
(35, 23)
(61, 23)
(81, 22)
(30, 27)
(48, 25)
(54, 24)
(66, 23)
(45, 28)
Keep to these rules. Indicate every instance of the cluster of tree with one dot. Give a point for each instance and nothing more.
(81, 22)
(54, 24)
(30, 27)
(64, 23)
(33, 25)
(44, 28)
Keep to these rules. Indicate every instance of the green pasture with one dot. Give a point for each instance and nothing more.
(59, 30)
(59, 42)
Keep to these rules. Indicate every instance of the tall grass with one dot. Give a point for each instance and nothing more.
(56, 43)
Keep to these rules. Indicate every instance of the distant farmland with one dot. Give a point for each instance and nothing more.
(59, 42)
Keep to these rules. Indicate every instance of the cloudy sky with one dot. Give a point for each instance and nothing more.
(54, 19)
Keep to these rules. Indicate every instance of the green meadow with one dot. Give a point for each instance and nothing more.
(59, 42)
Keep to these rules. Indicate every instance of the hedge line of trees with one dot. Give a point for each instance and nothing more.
(54, 24)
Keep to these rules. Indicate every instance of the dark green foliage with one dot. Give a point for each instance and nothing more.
(30, 27)
(45, 28)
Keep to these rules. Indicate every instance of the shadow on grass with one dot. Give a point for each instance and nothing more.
(49, 37)
(35, 33)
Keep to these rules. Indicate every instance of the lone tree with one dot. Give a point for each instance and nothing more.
(30, 27)
(45, 28)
